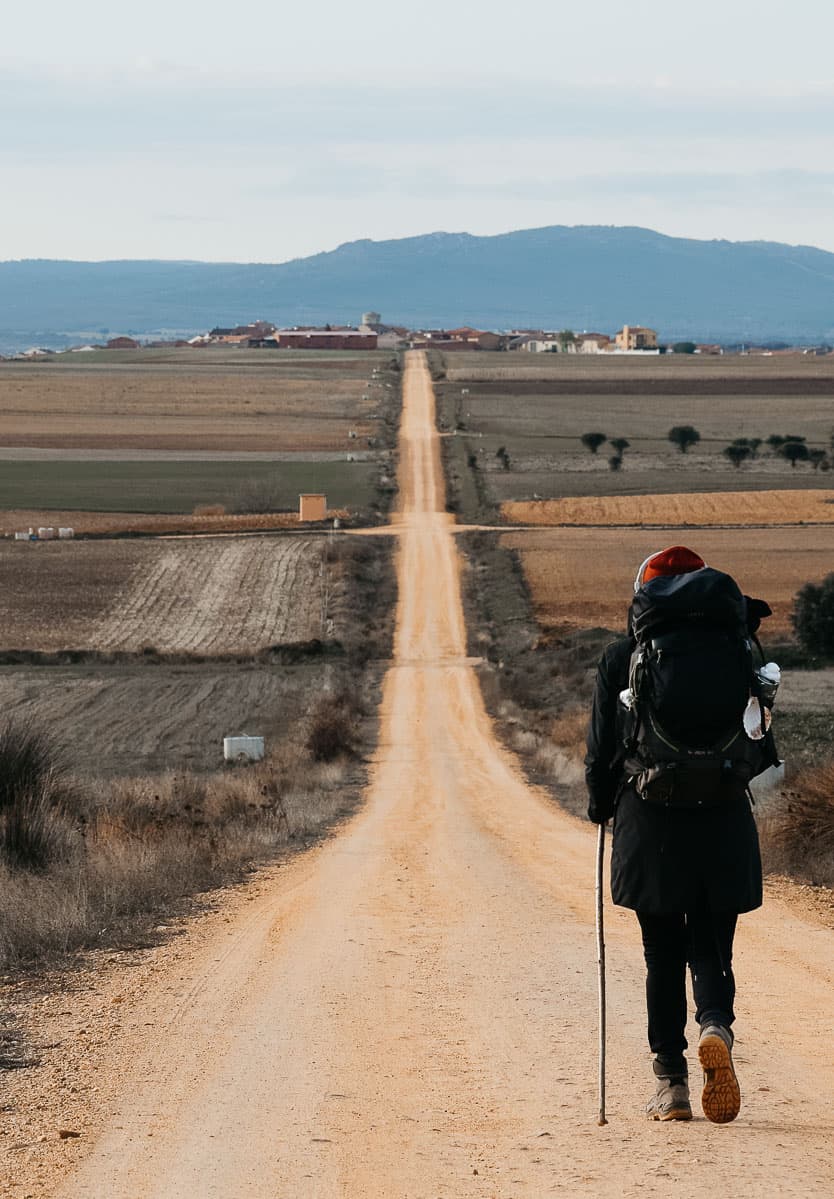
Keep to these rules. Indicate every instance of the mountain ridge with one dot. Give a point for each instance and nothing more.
(552, 276)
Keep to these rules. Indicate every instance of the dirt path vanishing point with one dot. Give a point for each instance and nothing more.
(409, 1011)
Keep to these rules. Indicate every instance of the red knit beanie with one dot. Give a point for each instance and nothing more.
(676, 560)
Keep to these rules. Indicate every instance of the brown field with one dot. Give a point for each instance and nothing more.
(145, 719)
(684, 368)
(683, 510)
(582, 578)
(190, 400)
(205, 596)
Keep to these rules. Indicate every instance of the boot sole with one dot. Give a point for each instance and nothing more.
(721, 1097)
(677, 1113)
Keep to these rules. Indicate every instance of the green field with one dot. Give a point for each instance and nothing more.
(177, 487)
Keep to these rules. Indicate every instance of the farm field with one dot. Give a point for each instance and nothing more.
(582, 578)
(205, 596)
(537, 412)
(169, 432)
(177, 486)
(190, 400)
(143, 720)
(687, 509)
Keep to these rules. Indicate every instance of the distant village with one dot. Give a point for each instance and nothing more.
(373, 334)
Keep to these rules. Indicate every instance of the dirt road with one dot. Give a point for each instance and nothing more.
(410, 1010)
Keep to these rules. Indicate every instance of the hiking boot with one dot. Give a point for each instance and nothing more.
(671, 1097)
(721, 1097)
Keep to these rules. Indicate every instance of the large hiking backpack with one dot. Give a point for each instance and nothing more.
(690, 679)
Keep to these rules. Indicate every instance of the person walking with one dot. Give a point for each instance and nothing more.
(685, 852)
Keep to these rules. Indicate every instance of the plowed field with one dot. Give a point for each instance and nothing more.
(201, 596)
(710, 508)
(139, 719)
(188, 401)
(582, 578)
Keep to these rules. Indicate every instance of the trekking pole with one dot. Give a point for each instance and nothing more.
(601, 972)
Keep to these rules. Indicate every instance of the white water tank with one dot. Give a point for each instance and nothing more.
(66, 534)
(243, 748)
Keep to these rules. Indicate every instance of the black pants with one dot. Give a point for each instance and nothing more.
(703, 940)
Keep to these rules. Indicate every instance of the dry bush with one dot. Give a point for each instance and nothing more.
(798, 839)
(35, 831)
(35, 821)
(334, 730)
(209, 510)
(141, 847)
(568, 731)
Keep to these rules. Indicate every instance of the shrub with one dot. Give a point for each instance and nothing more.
(35, 829)
(813, 617)
(333, 729)
(29, 761)
(592, 441)
(799, 839)
(737, 453)
(683, 436)
(615, 461)
(795, 451)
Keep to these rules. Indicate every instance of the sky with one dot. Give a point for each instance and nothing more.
(187, 130)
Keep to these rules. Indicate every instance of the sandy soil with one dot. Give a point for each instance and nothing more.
(409, 1011)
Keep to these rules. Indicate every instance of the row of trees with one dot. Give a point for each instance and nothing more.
(791, 446)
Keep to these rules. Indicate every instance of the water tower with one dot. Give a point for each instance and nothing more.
(371, 318)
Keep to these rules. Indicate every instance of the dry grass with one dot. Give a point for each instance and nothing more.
(582, 578)
(138, 848)
(798, 838)
(682, 510)
(108, 524)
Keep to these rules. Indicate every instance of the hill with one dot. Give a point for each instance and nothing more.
(583, 277)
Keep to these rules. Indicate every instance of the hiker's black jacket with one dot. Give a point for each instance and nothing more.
(664, 859)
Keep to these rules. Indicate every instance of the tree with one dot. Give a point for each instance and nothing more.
(813, 616)
(754, 443)
(620, 444)
(794, 451)
(684, 347)
(567, 337)
(817, 458)
(774, 441)
(737, 453)
(503, 457)
(683, 436)
(615, 461)
(592, 441)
